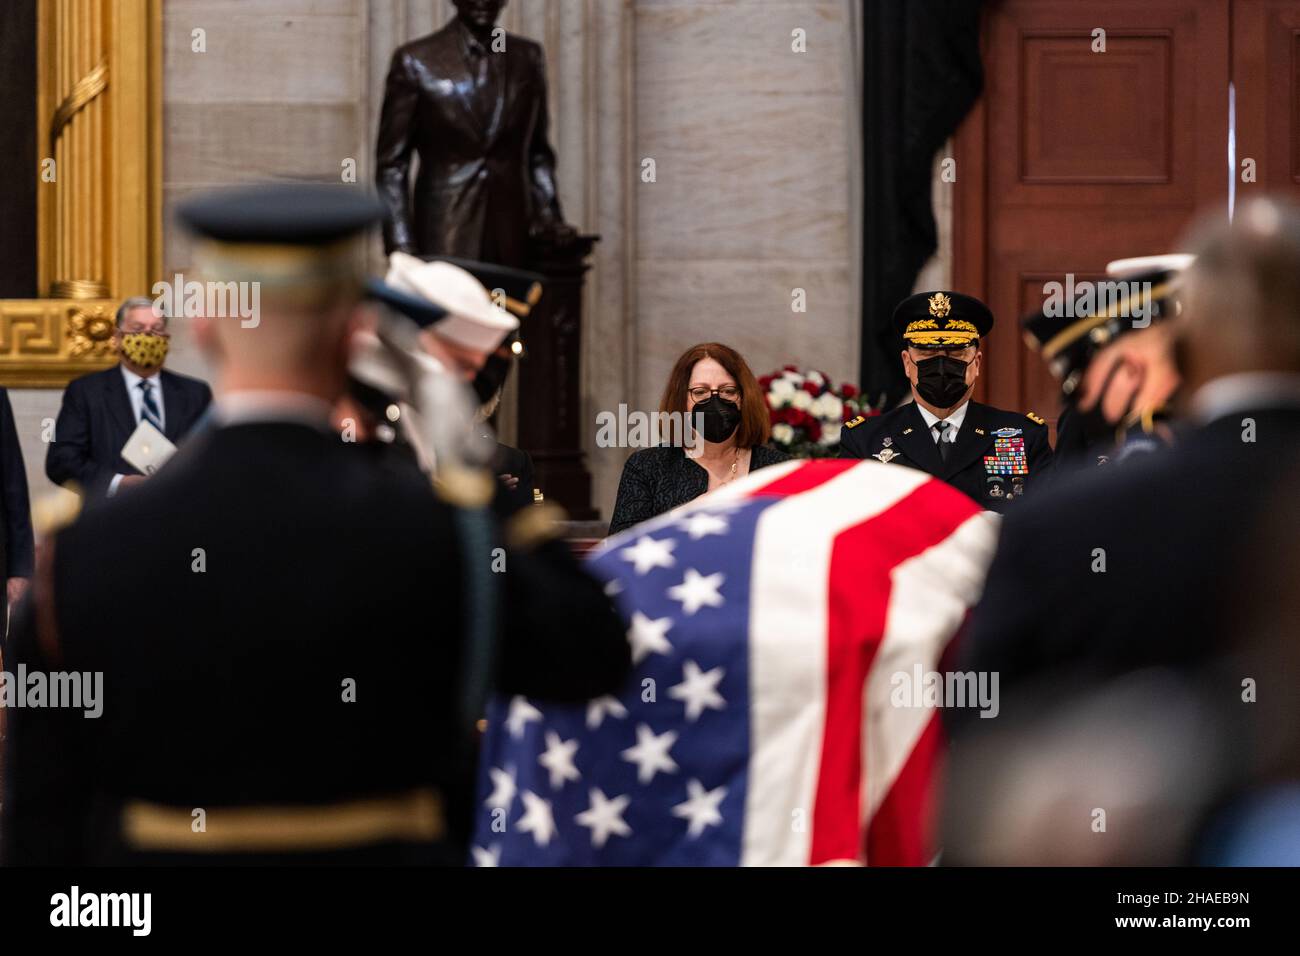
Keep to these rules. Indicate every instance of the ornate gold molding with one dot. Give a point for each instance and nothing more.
(99, 210)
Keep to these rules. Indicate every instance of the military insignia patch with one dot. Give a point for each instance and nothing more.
(980, 431)
(940, 305)
(885, 455)
(855, 422)
(1035, 419)
(888, 441)
(1008, 432)
(907, 431)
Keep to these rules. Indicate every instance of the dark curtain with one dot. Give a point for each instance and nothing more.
(921, 75)
(18, 183)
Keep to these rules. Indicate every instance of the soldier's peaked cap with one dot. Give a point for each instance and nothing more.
(942, 320)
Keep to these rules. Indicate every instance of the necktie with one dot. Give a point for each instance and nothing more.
(149, 408)
(945, 446)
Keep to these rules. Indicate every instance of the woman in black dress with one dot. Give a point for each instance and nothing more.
(712, 384)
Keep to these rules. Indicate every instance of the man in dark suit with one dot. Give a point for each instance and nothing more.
(287, 631)
(472, 105)
(1148, 567)
(990, 454)
(17, 548)
(101, 410)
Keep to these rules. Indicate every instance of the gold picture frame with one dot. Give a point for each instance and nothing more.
(99, 203)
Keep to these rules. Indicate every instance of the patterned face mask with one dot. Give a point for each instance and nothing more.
(145, 349)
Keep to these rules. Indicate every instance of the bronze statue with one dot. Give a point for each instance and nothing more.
(471, 102)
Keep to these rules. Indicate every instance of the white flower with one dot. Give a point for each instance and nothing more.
(816, 378)
(801, 400)
(828, 408)
(782, 387)
(794, 378)
(830, 434)
(777, 401)
(782, 433)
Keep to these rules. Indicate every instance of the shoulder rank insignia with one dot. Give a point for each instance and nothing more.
(855, 422)
(907, 431)
(885, 455)
(1008, 432)
(1035, 419)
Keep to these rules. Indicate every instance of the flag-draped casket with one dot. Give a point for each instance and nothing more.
(772, 624)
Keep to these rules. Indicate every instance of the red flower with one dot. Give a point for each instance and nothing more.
(812, 389)
(848, 391)
(766, 381)
(791, 368)
(814, 429)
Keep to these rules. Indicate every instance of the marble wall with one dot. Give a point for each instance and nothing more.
(754, 146)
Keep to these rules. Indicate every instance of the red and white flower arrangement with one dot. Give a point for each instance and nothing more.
(808, 411)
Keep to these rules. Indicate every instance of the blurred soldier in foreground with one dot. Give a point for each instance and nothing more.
(1115, 361)
(468, 314)
(1122, 588)
(283, 629)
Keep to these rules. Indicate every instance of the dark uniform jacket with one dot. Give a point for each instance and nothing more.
(996, 458)
(1175, 528)
(657, 480)
(230, 602)
(1140, 577)
(487, 170)
(96, 420)
(17, 546)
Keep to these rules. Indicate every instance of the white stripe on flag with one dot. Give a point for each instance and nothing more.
(788, 611)
(928, 601)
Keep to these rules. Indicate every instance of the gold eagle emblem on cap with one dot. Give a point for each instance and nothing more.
(940, 305)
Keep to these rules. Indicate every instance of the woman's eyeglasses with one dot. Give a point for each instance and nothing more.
(701, 394)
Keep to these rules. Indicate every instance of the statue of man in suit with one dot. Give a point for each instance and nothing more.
(470, 100)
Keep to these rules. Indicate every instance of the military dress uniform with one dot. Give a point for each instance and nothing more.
(288, 633)
(995, 456)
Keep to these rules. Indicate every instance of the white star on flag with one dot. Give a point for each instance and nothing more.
(537, 818)
(521, 712)
(698, 689)
(604, 816)
(613, 586)
(558, 759)
(701, 808)
(600, 707)
(651, 753)
(649, 553)
(702, 523)
(698, 590)
(489, 857)
(648, 637)
(503, 788)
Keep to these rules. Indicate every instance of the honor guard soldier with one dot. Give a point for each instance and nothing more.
(990, 454)
(287, 633)
(1102, 344)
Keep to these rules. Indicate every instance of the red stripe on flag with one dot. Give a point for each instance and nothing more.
(862, 559)
(804, 478)
(902, 833)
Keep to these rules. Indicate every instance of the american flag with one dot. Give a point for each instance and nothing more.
(766, 622)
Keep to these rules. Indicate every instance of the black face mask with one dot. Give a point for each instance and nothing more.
(716, 418)
(491, 378)
(941, 380)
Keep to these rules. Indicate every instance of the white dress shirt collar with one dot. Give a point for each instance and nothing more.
(1245, 391)
(954, 419)
(247, 407)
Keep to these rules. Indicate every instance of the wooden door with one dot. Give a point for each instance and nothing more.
(1266, 75)
(1077, 155)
